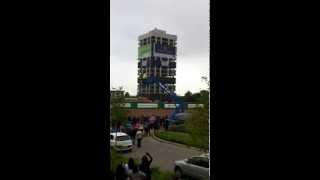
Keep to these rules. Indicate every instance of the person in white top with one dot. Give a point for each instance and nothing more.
(129, 166)
(139, 138)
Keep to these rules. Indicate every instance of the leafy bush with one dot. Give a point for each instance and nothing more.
(178, 128)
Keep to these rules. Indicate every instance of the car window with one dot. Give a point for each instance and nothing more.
(123, 138)
(194, 161)
(199, 161)
(204, 162)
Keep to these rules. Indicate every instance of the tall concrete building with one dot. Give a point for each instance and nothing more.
(157, 57)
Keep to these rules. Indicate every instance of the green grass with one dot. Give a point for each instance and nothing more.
(161, 175)
(157, 174)
(182, 138)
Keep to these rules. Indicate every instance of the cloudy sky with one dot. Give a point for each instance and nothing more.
(188, 19)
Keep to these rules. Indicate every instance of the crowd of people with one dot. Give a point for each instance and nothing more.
(146, 126)
(133, 171)
(143, 126)
(149, 123)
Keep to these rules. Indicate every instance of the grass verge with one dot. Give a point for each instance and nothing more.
(182, 138)
(157, 174)
(115, 159)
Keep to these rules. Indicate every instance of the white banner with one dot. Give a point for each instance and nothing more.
(170, 105)
(145, 105)
(195, 105)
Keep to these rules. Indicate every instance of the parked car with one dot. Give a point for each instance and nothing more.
(120, 141)
(180, 118)
(178, 124)
(196, 167)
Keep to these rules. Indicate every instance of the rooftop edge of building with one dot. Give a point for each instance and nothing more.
(157, 32)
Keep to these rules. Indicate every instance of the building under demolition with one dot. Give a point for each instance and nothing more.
(157, 57)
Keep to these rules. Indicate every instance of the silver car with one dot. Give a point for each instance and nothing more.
(120, 141)
(196, 167)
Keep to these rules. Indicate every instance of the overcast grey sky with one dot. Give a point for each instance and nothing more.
(188, 19)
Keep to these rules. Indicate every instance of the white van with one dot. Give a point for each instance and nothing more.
(120, 141)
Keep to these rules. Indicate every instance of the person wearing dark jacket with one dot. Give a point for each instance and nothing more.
(166, 124)
(161, 123)
(120, 172)
(157, 125)
(145, 165)
(136, 174)
(129, 167)
(133, 135)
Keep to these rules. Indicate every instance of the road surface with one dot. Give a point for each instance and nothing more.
(163, 154)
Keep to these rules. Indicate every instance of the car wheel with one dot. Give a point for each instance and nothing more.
(178, 173)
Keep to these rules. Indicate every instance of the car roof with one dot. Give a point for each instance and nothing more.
(206, 155)
(203, 155)
(119, 134)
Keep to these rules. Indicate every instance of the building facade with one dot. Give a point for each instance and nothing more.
(157, 54)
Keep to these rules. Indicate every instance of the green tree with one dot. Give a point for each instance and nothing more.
(198, 125)
(196, 97)
(118, 113)
(206, 80)
(188, 96)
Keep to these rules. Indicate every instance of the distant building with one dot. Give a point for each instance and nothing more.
(156, 57)
(116, 93)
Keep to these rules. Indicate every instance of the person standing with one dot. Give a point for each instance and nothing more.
(139, 138)
(141, 128)
(143, 119)
(166, 124)
(133, 135)
(149, 128)
(152, 120)
(145, 165)
(120, 172)
(129, 167)
(156, 125)
(118, 127)
(136, 174)
(161, 123)
(146, 128)
(134, 120)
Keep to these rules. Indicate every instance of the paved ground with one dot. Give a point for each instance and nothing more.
(163, 154)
